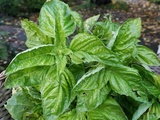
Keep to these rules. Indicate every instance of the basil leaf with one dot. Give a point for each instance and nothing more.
(108, 110)
(127, 81)
(73, 115)
(37, 56)
(57, 22)
(33, 92)
(106, 31)
(89, 48)
(128, 34)
(90, 22)
(21, 107)
(147, 56)
(78, 20)
(89, 100)
(153, 112)
(35, 36)
(77, 70)
(27, 77)
(150, 80)
(127, 38)
(93, 79)
(142, 108)
(56, 93)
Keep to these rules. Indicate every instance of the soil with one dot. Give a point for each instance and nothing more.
(147, 11)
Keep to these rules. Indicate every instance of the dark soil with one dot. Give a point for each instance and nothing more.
(149, 13)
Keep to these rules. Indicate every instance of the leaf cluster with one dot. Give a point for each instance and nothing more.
(82, 70)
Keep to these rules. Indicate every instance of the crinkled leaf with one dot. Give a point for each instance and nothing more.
(94, 79)
(61, 62)
(147, 56)
(56, 21)
(78, 19)
(27, 77)
(33, 92)
(153, 113)
(108, 110)
(126, 81)
(21, 107)
(151, 81)
(127, 34)
(89, 100)
(90, 22)
(106, 31)
(88, 48)
(37, 56)
(73, 115)
(151, 88)
(127, 38)
(140, 111)
(56, 93)
(155, 110)
(35, 36)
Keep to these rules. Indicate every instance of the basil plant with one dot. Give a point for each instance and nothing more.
(82, 70)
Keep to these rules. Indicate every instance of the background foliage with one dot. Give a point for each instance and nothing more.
(18, 6)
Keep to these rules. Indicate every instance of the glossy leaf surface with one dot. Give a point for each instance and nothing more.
(89, 48)
(26, 77)
(126, 81)
(56, 21)
(73, 115)
(56, 93)
(37, 56)
(147, 56)
(35, 36)
(22, 107)
(109, 110)
(89, 100)
(90, 22)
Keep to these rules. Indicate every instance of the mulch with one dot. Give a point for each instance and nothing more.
(148, 12)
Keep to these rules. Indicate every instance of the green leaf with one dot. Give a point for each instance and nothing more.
(78, 20)
(27, 77)
(127, 38)
(89, 100)
(106, 31)
(37, 56)
(77, 70)
(19, 105)
(94, 79)
(88, 48)
(151, 81)
(33, 92)
(56, 93)
(152, 113)
(90, 22)
(73, 115)
(109, 110)
(35, 36)
(56, 21)
(61, 62)
(142, 108)
(147, 56)
(128, 34)
(151, 88)
(155, 110)
(126, 81)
